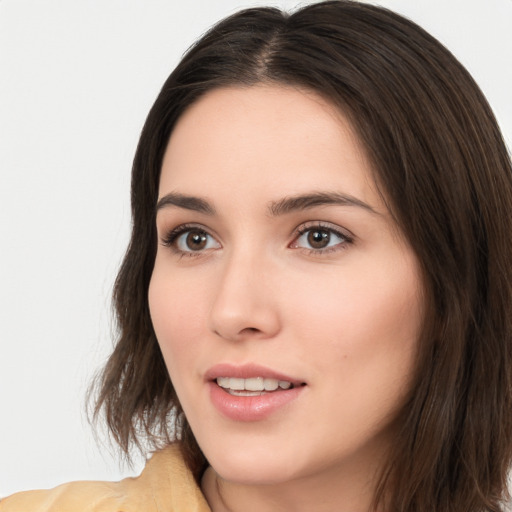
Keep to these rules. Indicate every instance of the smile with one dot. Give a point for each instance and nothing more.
(254, 386)
(251, 392)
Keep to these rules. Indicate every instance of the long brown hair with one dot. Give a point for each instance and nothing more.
(439, 161)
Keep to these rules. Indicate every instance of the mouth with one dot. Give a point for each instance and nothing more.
(251, 392)
(253, 386)
(251, 380)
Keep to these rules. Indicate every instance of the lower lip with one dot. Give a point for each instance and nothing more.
(251, 408)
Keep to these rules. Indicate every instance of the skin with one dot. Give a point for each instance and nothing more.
(344, 319)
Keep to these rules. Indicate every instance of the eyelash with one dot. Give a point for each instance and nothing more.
(345, 238)
(170, 240)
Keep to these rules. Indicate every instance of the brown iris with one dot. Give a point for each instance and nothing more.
(318, 239)
(196, 240)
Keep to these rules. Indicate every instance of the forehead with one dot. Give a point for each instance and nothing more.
(284, 139)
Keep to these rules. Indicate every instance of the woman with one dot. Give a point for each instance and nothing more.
(320, 263)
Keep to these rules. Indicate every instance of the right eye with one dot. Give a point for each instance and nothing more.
(190, 239)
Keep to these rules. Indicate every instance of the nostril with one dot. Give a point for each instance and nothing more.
(249, 330)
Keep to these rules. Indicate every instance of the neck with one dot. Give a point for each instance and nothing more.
(328, 491)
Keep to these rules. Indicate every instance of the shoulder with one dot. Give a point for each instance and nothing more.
(71, 497)
(165, 485)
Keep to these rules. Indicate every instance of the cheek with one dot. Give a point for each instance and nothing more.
(361, 329)
(177, 318)
(361, 309)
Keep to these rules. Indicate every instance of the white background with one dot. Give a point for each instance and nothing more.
(77, 78)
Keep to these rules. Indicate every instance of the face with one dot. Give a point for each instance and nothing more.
(285, 301)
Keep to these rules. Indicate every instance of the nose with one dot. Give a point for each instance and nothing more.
(245, 304)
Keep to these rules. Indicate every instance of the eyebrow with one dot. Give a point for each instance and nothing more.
(306, 201)
(275, 208)
(196, 204)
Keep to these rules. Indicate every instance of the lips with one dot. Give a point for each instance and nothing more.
(250, 392)
(248, 371)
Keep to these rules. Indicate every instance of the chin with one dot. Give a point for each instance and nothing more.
(249, 468)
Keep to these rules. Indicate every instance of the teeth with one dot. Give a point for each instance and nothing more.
(253, 384)
(270, 384)
(236, 384)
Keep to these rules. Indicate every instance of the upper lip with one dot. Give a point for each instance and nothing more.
(247, 371)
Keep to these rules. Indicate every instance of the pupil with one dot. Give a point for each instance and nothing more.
(319, 239)
(196, 240)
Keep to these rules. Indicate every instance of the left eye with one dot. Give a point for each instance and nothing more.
(194, 240)
(318, 238)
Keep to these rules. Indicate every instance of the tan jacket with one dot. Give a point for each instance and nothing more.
(165, 485)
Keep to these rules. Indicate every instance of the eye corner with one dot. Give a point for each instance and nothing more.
(189, 240)
(320, 238)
